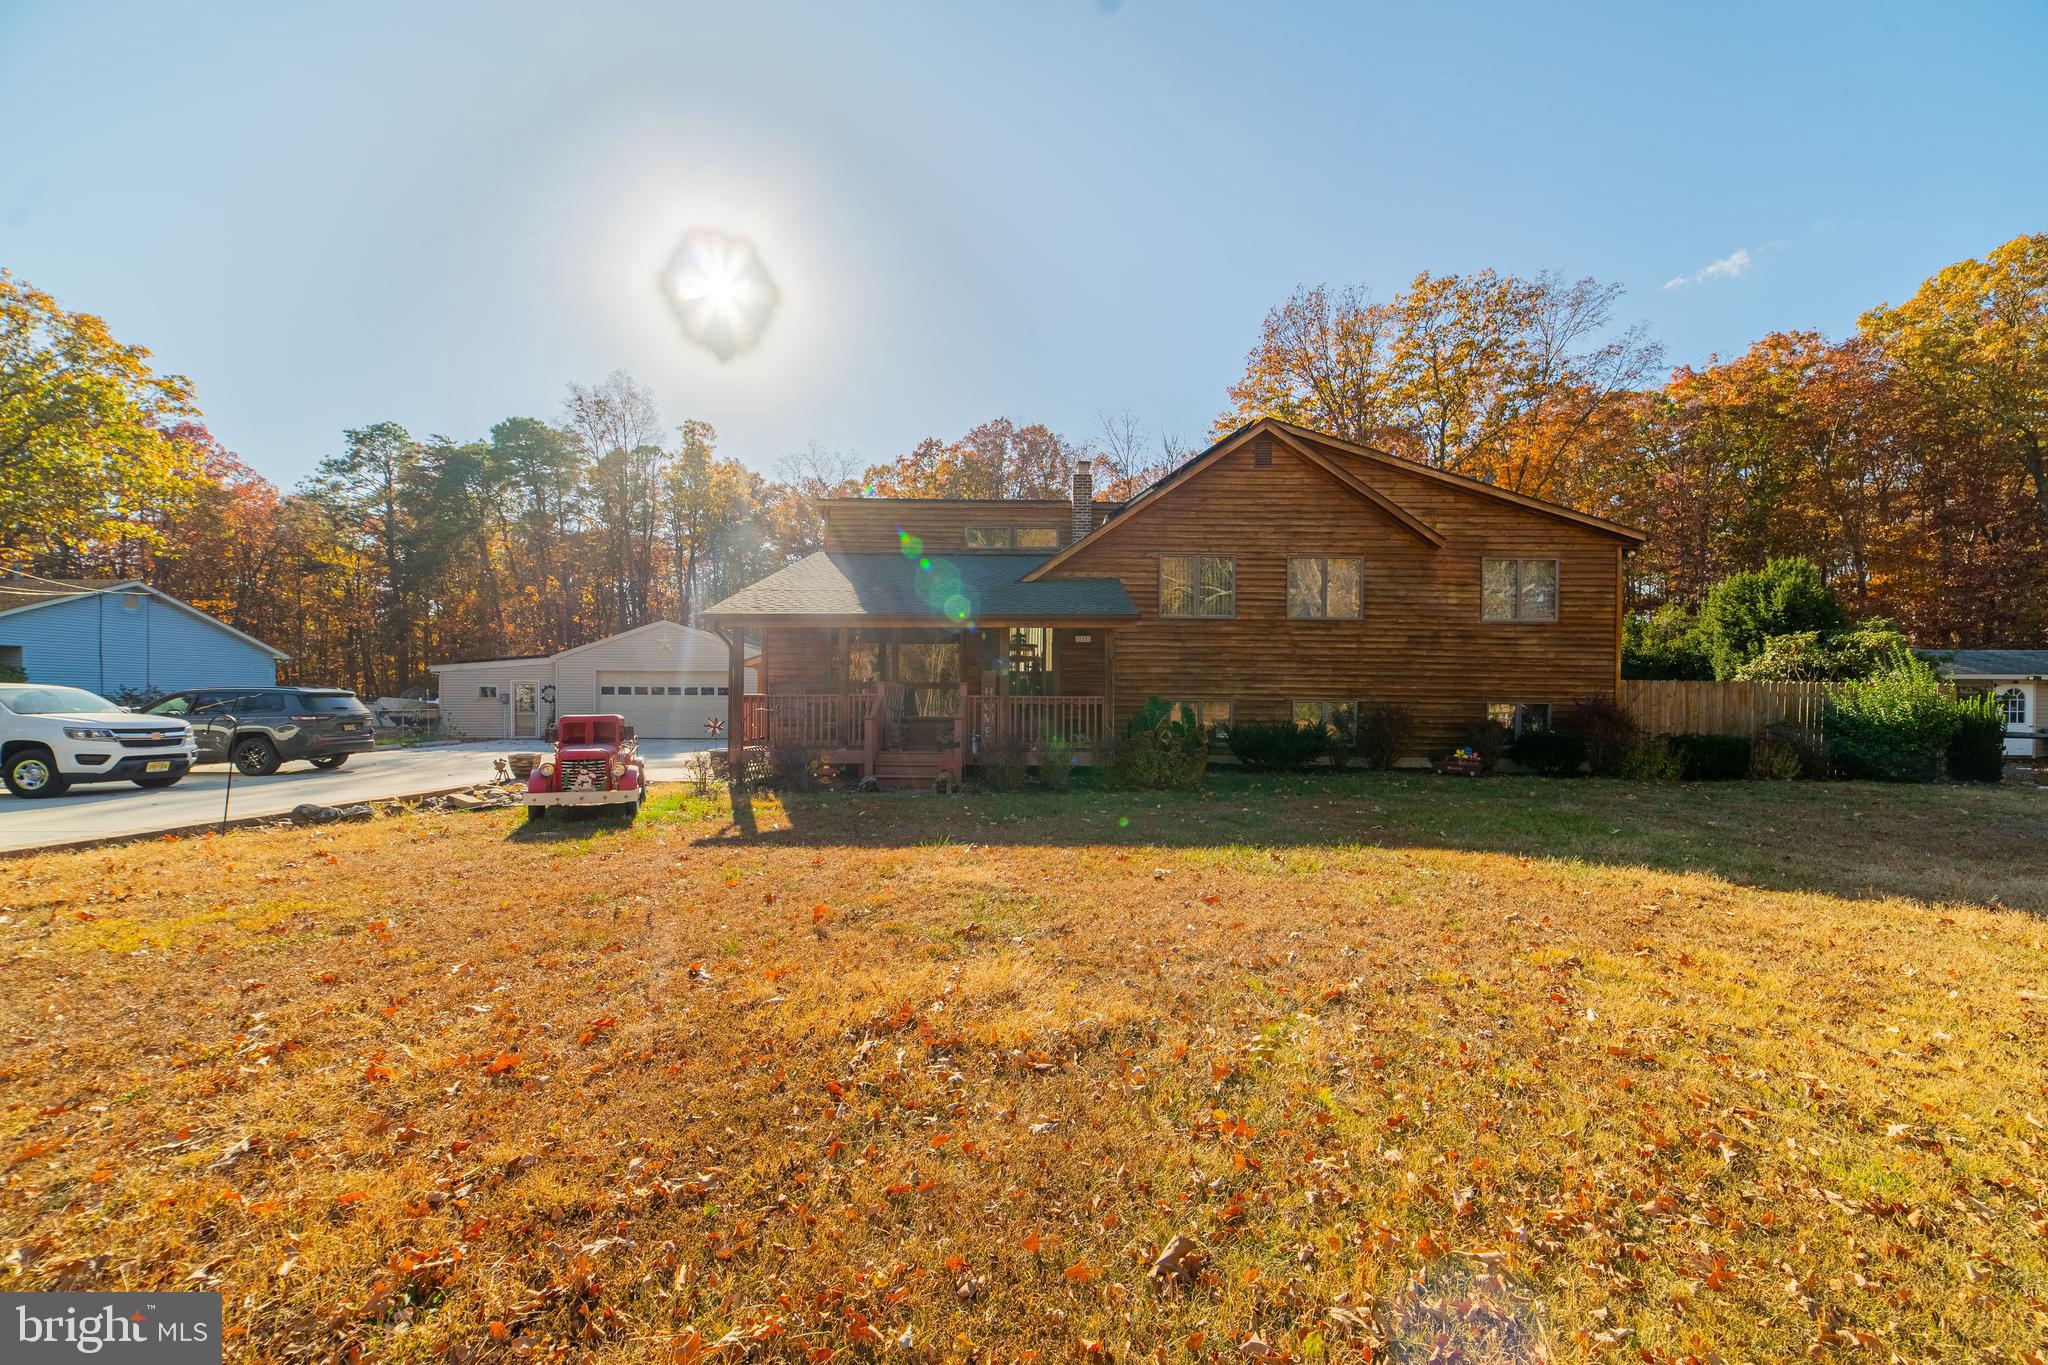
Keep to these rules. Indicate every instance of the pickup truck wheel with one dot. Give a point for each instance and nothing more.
(32, 773)
(328, 760)
(152, 783)
(256, 757)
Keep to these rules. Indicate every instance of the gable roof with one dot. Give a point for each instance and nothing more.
(1303, 442)
(1989, 663)
(835, 584)
(32, 594)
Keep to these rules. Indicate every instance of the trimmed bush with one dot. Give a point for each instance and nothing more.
(1773, 759)
(1894, 726)
(13, 673)
(1553, 753)
(1005, 767)
(1386, 735)
(1651, 758)
(1976, 752)
(1056, 765)
(1743, 610)
(1607, 730)
(1157, 750)
(1278, 746)
(1711, 758)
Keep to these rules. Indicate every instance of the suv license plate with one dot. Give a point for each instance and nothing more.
(160, 766)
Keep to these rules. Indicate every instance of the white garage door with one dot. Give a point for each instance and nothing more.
(663, 705)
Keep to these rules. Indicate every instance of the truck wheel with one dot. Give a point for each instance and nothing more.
(256, 757)
(152, 783)
(31, 773)
(326, 761)
(536, 814)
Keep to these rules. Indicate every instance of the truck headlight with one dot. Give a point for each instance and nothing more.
(546, 768)
(86, 732)
(618, 767)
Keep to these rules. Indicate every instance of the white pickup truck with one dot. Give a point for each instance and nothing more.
(51, 737)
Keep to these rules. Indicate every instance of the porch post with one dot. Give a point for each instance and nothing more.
(1108, 684)
(736, 703)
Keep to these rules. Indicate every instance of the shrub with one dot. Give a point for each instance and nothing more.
(1005, 766)
(1774, 759)
(791, 768)
(1824, 655)
(1278, 746)
(1056, 765)
(1744, 610)
(14, 673)
(1894, 726)
(1386, 735)
(1607, 730)
(1976, 752)
(1651, 758)
(1553, 753)
(1158, 750)
(1487, 738)
(1711, 758)
(1665, 644)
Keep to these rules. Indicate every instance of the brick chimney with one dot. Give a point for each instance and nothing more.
(1084, 500)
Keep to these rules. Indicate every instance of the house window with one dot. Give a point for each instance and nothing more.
(988, 537)
(1197, 585)
(1341, 716)
(1209, 712)
(487, 693)
(1038, 538)
(1518, 590)
(2013, 702)
(1520, 716)
(1323, 589)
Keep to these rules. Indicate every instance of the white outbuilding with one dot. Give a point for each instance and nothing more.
(668, 680)
(2016, 678)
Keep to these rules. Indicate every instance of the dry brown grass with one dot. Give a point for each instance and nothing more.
(1504, 1071)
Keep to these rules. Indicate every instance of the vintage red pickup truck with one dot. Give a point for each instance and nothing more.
(596, 764)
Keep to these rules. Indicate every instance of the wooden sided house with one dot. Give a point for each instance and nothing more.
(1280, 574)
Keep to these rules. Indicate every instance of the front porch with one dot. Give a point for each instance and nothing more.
(906, 705)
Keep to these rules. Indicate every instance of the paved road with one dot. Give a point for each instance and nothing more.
(117, 809)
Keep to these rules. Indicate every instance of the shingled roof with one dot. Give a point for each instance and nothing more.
(1989, 663)
(962, 589)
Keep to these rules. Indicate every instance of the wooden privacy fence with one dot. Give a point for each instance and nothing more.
(1663, 707)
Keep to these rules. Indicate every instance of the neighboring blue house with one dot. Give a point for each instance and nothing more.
(108, 636)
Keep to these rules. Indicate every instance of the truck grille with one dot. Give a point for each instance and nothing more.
(150, 739)
(583, 772)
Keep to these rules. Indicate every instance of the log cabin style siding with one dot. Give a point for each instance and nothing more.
(1420, 641)
(1388, 606)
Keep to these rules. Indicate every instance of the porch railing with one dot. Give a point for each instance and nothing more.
(815, 720)
(1074, 721)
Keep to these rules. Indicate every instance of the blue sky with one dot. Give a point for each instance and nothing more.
(441, 214)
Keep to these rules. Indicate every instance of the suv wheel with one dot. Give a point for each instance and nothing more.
(31, 773)
(328, 760)
(256, 757)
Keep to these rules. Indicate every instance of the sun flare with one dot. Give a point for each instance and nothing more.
(721, 292)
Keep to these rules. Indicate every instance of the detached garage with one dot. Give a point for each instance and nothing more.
(668, 680)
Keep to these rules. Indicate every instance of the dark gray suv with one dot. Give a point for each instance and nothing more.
(273, 725)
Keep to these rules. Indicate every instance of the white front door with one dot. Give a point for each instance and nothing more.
(525, 710)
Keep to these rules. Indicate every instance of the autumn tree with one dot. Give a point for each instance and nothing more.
(1502, 378)
(88, 455)
(997, 459)
(1974, 338)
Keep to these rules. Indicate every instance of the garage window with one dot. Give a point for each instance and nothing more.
(721, 691)
(675, 691)
(606, 691)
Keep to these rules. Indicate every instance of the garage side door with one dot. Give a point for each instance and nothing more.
(663, 705)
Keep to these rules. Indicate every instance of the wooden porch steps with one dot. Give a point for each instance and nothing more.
(904, 769)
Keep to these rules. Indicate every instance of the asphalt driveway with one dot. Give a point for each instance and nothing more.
(118, 810)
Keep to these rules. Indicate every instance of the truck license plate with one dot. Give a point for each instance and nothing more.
(160, 766)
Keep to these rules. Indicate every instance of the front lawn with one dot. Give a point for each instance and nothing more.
(1437, 1070)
